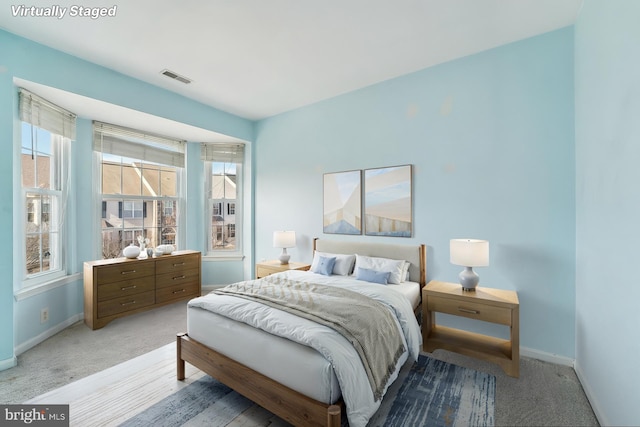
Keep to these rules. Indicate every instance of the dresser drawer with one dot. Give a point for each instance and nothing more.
(178, 278)
(125, 271)
(469, 309)
(177, 292)
(126, 303)
(125, 288)
(174, 263)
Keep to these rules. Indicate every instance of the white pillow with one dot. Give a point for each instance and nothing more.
(343, 265)
(395, 267)
(405, 271)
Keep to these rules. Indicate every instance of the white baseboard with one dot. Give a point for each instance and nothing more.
(8, 363)
(547, 357)
(21, 348)
(591, 397)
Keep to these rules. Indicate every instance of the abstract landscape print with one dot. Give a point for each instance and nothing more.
(342, 208)
(387, 201)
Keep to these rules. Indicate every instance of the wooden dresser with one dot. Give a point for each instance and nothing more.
(119, 287)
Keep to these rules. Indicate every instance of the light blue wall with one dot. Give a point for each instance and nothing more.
(20, 58)
(6, 216)
(491, 138)
(607, 62)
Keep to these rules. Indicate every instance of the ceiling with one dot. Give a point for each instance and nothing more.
(257, 58)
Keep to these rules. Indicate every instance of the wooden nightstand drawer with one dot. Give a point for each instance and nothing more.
(472, 310)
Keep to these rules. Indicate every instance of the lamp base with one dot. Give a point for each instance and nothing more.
(284, 257)
(468, 279)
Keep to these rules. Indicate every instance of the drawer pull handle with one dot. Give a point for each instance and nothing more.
(178, 292)
(466, 310)
(128, 303)
(178, 264)
(179, 277)
(128, 287)
(128, 272)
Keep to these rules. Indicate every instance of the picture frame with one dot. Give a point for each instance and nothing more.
(388, 201)
(342, 202)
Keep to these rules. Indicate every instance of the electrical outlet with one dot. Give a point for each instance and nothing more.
(44, 315)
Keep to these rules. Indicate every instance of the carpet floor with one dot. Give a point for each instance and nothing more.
(145, 392)
(545, 394)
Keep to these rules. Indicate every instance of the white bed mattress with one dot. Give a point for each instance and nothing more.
(294, 365)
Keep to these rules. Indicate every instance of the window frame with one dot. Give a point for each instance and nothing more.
(38, 115)
(139, 139)
(209, 158)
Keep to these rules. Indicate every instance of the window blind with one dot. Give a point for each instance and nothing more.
(230, 153)
(46, 115)
(126, 142)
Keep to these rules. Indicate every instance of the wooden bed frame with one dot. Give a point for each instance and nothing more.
(288, 404)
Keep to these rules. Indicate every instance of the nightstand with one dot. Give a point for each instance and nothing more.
(266, 268)
(490, 305)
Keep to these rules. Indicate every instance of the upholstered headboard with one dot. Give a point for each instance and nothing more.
(415, 254)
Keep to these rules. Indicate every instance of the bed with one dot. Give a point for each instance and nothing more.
(291, 374)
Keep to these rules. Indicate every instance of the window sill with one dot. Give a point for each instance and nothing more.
(46, 286)
(222, 257)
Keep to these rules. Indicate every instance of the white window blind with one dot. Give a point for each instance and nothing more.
(121, 141)
(46, 115)
(229, 153)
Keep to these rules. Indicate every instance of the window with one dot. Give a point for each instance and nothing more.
(217, 208)
(223, 186)
(141, 187)
(46, 131)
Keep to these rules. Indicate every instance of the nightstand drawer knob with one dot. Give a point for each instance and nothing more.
(466, 310)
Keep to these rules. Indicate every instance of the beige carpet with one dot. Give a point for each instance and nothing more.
(544, 395)
(77, 351)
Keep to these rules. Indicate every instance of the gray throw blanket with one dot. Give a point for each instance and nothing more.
(367, 324)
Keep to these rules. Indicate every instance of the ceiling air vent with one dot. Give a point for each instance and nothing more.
(176, 76)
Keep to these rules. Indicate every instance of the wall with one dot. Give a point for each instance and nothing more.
(19, 58)
(491, 138)
(7, 358)
(607, 66)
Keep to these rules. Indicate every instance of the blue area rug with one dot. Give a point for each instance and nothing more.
(431, 393)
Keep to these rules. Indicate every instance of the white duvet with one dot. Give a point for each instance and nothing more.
(351, 375)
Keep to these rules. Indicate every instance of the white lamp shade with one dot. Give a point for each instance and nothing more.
(469, 252)
(284, 239)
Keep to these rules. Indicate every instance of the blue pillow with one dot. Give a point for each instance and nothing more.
(373, 276)
(325, 265)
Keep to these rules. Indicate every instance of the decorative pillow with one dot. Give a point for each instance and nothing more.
(393, 266)
(343, 265)
(372, 276)
(324, 265)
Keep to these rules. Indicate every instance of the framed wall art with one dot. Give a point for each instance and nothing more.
(342, 202)
(388, 201)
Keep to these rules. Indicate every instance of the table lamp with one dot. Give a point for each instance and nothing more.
(284, 240)
(469, 253)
